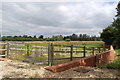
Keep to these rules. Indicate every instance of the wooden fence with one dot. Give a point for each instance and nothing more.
(4, 49)
(46, 53)
(71, 52)
(30, 52)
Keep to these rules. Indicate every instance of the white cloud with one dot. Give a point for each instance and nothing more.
(56, 18)
(58, 0)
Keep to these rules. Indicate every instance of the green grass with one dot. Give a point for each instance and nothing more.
(117, 51)
(115, 64)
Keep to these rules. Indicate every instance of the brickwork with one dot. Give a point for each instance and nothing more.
(4, 59)
(106, 56)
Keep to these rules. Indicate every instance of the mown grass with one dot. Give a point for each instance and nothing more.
(78, 43)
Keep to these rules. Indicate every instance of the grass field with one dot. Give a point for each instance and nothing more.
(81, 43)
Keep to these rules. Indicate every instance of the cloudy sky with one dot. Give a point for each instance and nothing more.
(55, 18)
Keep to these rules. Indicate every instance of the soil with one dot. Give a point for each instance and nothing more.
(18, 69)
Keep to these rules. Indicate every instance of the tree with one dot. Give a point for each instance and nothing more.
(74, 37)
(116, 25)
(40, 37)
(25, 36)
(108, 35)
(80, 37)
(67, 39)
(34, 36)
(118, 10)
(60, 38)
(57, 38)
(111, 34)
(29, 36)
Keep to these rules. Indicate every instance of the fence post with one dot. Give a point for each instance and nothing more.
(50, 54)
(8, 50)
(99, 49)
(71, 52)
(27, 49)
(93, 51)
(3, 46)
(84, 52)
(96, 60)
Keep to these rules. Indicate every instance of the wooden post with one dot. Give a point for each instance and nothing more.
(71, 52)
(8, 50)
(84, 52)
(93, 51)
(99, 49)
(27, 49)
(3, 46)
(50, 54)
(96, 60)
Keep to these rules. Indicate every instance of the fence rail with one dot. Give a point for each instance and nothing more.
(46, 52)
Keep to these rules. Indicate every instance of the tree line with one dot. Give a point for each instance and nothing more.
(111, 34)
(73, 37)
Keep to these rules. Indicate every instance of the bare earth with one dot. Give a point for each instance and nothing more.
(17, 69)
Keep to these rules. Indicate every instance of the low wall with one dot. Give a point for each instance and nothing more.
(105, 57)
(4, 59)
(100, 58)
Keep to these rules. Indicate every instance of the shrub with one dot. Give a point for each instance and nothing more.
(68, 39)
(114, 64)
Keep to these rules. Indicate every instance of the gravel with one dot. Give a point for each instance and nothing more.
(17, 69)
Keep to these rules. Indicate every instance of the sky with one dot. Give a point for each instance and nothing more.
(50, 18)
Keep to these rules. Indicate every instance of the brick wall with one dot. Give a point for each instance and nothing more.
(106, 56)
(4, 59)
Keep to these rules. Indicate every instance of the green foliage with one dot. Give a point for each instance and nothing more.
(114, 64)
(57, 38)
(118, 9)
(73, 37)
(117, 51)
(20, 38)
(40, 37)
(67, 39)
(111, 35)
(108, 35)
(116, 25)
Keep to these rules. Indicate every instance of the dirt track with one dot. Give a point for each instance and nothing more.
(17, 69)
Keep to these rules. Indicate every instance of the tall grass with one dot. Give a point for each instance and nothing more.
(117, 51)
(115, 64)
